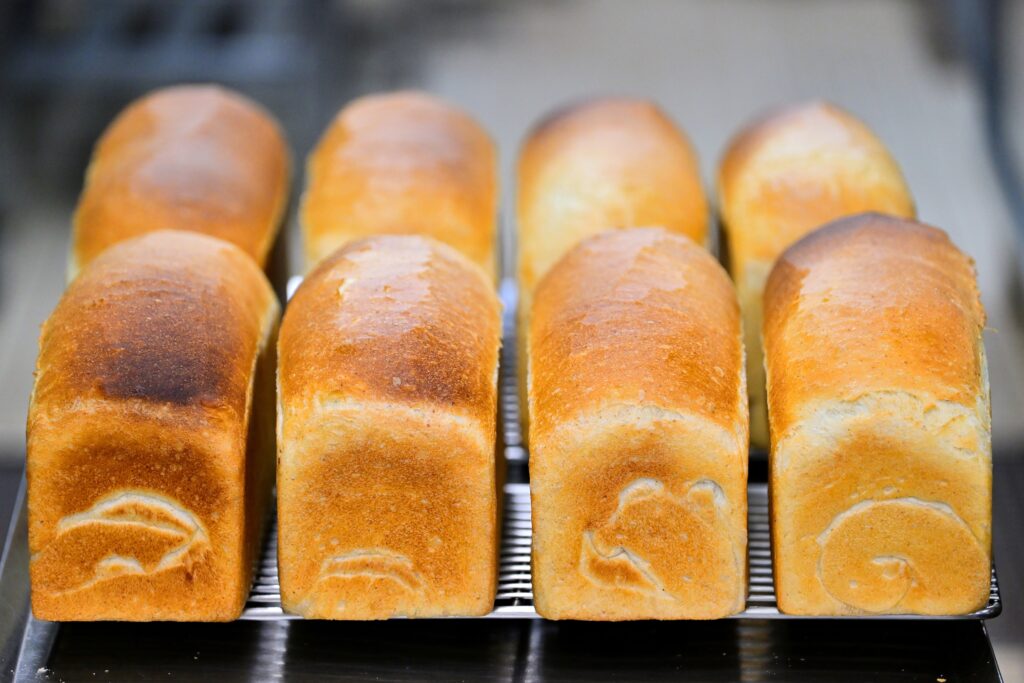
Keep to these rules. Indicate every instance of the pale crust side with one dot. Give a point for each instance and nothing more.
(148, 469)
(197, 158)
(639, 438)
(402, 163)
(387, 390)
(783, 176)
(880, 422)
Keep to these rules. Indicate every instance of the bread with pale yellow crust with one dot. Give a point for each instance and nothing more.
(602, 164)
(402, 163)
(783, 176)
(881, 469)
(638, 463)
(150, 434)
(387, 395)
(194, 157)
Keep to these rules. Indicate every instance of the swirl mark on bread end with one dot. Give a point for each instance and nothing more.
(664, 546)
(127, 533)
(902, 555)
(361, 581)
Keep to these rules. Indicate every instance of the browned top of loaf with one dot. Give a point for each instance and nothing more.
(871, 303)
(167, 324)
(393, 319)
(405, 163)
(798, 168)
(194, 157)
(600, 164)
(638, 317)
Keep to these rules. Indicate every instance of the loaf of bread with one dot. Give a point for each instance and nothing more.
(781, 177)
(881, 469)
(197, 158)
(387, 399)
(402, 163)
(598, 165)
(638, 466)
(593, 166)
(150, 434)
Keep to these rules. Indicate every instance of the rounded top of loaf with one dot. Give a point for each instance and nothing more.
(642, 318)
(393, 319)
(189, 157)
(403, 163)
(797, 168)
(169, 323)
(600, 164)
(867, 304)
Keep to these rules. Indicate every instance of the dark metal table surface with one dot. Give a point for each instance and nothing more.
(503, 650)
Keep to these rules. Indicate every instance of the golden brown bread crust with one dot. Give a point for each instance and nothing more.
(798, 168)
(878, 400)
(872, 303)
(149, 460)
(596, 165)
(402, 163)
(639, 433)
(782, 176)
(196, 157)
(602, 164)
(387, 390)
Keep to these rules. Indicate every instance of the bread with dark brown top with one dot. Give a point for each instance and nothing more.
(150, 434)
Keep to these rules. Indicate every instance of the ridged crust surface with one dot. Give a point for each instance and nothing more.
(149, 460)
(402, 163)
(783, 176)
(639, 433)
(880, 424)
(387, 500)
(196, 157)
(603, 164)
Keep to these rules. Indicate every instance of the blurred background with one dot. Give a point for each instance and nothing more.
(941, 81)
